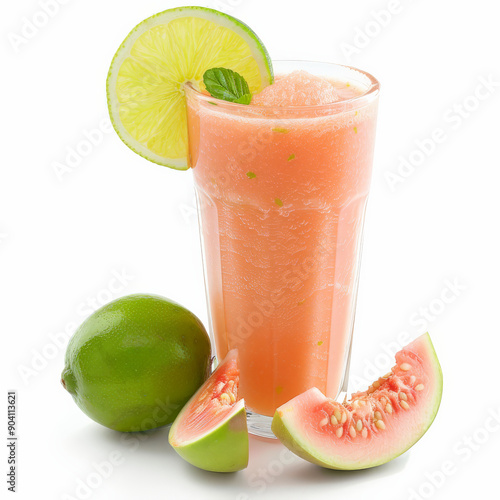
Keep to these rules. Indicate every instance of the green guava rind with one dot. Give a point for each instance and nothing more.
(222, 449)
(296, 439)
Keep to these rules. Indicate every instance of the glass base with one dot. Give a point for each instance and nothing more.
(259, 425)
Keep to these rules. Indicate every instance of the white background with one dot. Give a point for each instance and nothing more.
(63, 238)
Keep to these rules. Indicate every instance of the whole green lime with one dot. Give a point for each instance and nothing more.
(135, 362)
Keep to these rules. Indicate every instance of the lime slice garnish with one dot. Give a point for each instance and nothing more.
(145, 85)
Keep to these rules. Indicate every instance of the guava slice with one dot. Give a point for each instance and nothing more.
(376, 425)
(211, 431)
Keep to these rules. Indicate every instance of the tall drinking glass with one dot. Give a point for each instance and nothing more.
(281, 194)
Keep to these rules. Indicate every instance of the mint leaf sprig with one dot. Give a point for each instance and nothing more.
(226, 84)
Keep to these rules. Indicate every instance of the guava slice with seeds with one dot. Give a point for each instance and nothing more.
(211, 431)
(376, 425)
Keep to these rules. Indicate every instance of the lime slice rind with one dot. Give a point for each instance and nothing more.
(258, 54)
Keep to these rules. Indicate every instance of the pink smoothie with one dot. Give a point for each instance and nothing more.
(282, 193)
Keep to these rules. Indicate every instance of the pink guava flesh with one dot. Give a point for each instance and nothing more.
(214, 402)
(376, 425)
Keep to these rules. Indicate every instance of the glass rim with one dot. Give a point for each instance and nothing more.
(357, 101)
